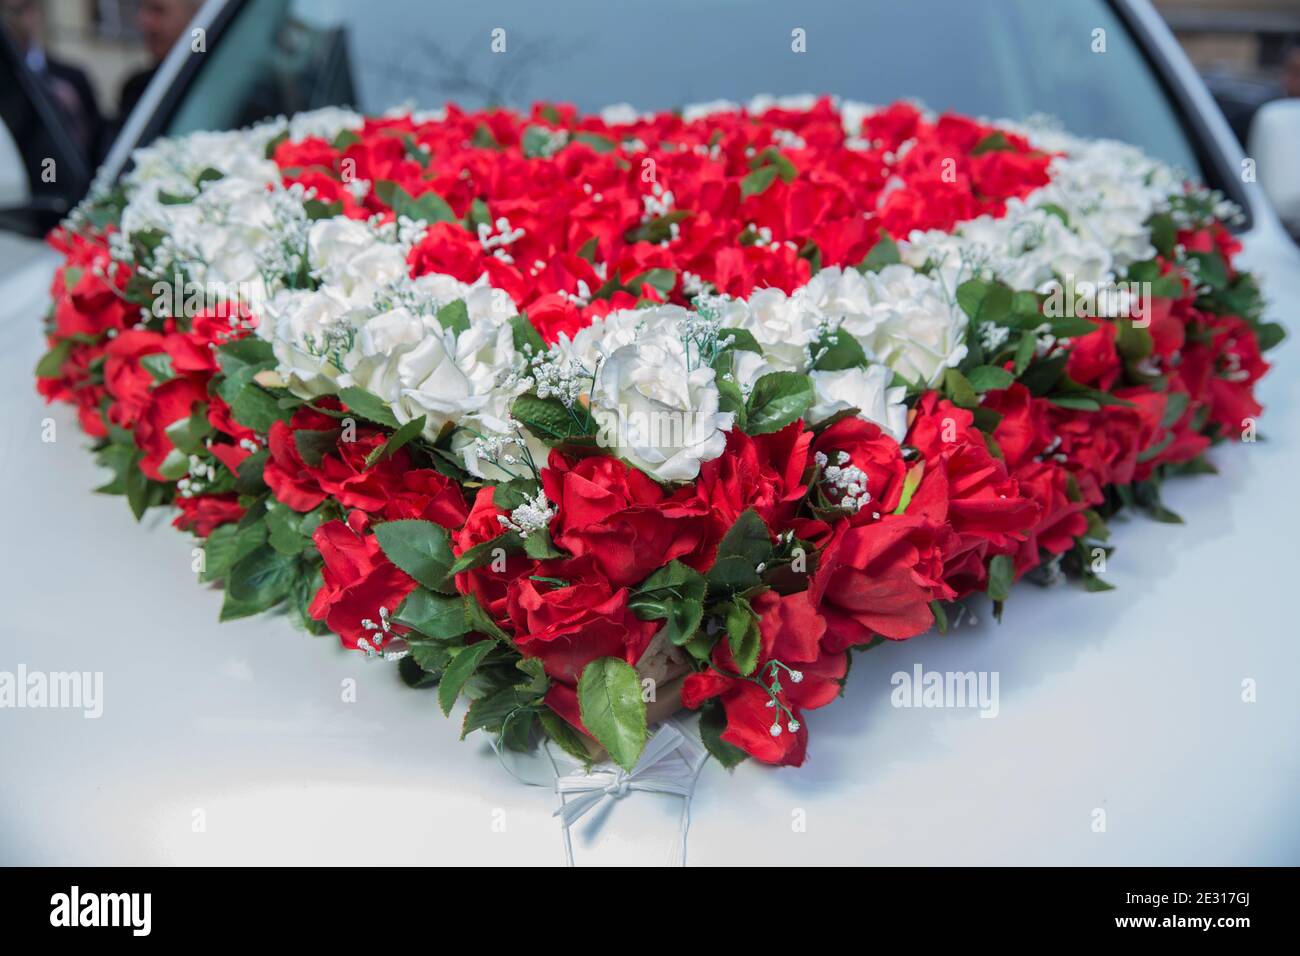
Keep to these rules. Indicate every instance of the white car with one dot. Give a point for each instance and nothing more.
(232, 743)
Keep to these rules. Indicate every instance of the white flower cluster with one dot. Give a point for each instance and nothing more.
(1085, 226)
(335, 299)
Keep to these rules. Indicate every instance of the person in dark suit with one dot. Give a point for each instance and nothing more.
(161, 24)
(67, 86)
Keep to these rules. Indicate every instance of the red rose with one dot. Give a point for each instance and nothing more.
(553, 314)
(764, 473)
(966, 486)
(127, 381)
(790, 632)
(873, 451)
(360, 584)
(488, 583)
(202, 513)
(171, 402)
(1237, 365)
(619, 517)
(1024, 436)
(1093, 359)
(426, 494)
(449, 249)
(879, 579)
(340, 473)
(574, 617)
(194, 351)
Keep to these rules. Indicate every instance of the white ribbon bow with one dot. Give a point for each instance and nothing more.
(670, 763)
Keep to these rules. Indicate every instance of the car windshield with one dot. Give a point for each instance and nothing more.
(994, 58)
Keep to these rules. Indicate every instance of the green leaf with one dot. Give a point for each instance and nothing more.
(1270, 335)
(427, 207)
(550, 420)
(486, 551)
(240, 360)
(675, 593)
(959, 389)
(742, 635)
(221, 551)
(748, 538)
(1025, 352)
(985, 301)
(256, 408)
(142, 493)
(837, 351)
(461, 668)
(158, 365)
(261, 579)
(1077, 402)
(1002, 573)
(601, 144)
(713, 721)
(413, 671)
(368, 406)
(662, 281)
(609, 699)
(758, 181)
(52, 361)
(249, 480)
(883, 253)
(283, 526)
(1133, 343)
(540, 547)
(987, 378)
(995, 142)
(492, 712)
(778, 399)
(187, 434)
(314, 444)
(565, 734)
(404, 435)
(527, 339)
(454, 316)
(420, 548)
(1042, 375)
(438, 616)
(743, 548)
(481, 622)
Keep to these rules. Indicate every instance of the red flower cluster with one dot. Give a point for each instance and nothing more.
(976, 494)
(748, 200)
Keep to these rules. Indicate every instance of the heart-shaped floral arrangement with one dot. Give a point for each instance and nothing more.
(586, 418)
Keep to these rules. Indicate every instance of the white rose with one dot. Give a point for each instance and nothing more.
(842, 295)
(866, 389)
(783, 326)
(430, 383)
(447, 377)
(326, 123)
(314, 340)
(605, 336)
(382, 341)
(923, 332)
(747, 368)
(655, 410)
(352, 259)
(495, 451)
(486, 354)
